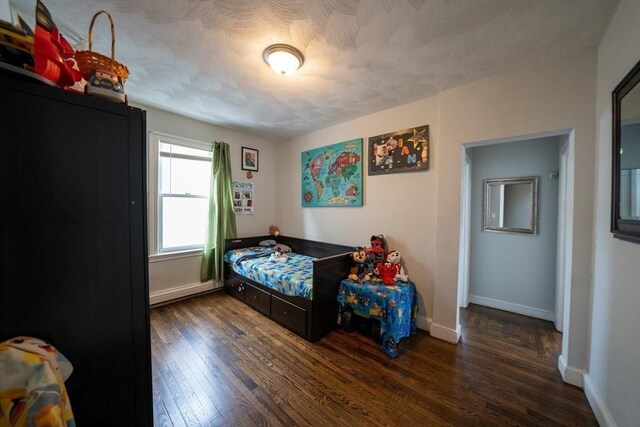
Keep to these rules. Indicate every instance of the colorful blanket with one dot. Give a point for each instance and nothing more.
(236, 256)
(32, 391)
(293, 276)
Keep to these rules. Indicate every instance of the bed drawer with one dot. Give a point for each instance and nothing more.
(291, 316)
(257, 298)
(235, 288)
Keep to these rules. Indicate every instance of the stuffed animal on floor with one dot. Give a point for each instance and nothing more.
(274, 230)
(394, 259)
(359, 270)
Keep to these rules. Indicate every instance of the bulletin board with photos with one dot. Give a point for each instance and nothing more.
(243, 198)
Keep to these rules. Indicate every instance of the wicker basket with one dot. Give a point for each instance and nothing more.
(88, 59)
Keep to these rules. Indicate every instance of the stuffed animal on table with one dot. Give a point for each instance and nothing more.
(394, 258)
(359, 270)
(376, 252)
(387, 273)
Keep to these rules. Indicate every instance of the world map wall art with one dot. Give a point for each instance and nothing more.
(332, 175)
(404, 150)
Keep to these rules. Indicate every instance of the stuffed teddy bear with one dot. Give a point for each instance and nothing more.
(274, 230)
(359, 270)
(394, 259)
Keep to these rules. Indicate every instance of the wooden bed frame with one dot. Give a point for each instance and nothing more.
(309, 318)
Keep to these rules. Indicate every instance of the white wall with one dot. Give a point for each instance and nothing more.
(613, 380)
(400, 206)
(420, 212)
(173, 276)
(552, 96)
(516, 272)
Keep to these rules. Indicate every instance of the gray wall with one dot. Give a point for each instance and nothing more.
(516, 268)
(630, 139)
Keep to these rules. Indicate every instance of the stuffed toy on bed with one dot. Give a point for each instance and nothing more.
(283, 248)
(274, 230)
(278, 255)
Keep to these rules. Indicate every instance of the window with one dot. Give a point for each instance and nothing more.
(184, 172)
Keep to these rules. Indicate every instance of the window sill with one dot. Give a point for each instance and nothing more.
(175, 255)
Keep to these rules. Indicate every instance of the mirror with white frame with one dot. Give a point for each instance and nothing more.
(510, 205)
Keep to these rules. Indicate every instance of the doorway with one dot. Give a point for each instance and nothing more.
(549, 303)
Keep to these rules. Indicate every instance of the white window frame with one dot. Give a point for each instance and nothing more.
(155, 198)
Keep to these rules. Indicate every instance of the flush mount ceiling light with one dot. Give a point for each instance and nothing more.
(283, 59)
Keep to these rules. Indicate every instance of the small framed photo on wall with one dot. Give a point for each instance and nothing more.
(249, 159)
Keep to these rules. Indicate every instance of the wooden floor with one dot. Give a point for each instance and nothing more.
(217, 362)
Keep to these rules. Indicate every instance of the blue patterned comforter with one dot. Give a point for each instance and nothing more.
(292, 277)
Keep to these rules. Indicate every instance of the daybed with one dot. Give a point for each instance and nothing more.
(308, 309)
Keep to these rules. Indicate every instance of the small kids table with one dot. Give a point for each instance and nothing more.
(394, 306)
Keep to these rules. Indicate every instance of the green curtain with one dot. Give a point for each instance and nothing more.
(221, 223)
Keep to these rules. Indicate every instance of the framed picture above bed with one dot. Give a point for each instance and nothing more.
(404, 150)
(249, 159)
(332, 175)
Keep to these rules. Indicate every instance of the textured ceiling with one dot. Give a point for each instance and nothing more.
(204, 58)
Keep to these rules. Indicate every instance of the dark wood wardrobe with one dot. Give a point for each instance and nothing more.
(73, 247)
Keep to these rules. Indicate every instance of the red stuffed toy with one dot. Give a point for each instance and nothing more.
(395, 259)
(387, 273)
(392, 271)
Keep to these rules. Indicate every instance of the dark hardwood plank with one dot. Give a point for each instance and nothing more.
(232, 359)
(161, 417)
(162, 393)
(179, 391)
(181, 360)
(225, 368)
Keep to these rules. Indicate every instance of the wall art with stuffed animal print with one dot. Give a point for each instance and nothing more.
(404, 150)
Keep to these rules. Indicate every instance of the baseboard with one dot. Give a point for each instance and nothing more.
(600, 410)
(570, 374)
(514, 308)
(423, 323)
(444, 333)
(178, 292)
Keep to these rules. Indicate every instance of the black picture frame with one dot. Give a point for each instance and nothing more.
(249, 159)
(622, 228)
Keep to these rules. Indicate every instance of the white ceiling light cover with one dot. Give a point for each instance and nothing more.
(283, 59)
